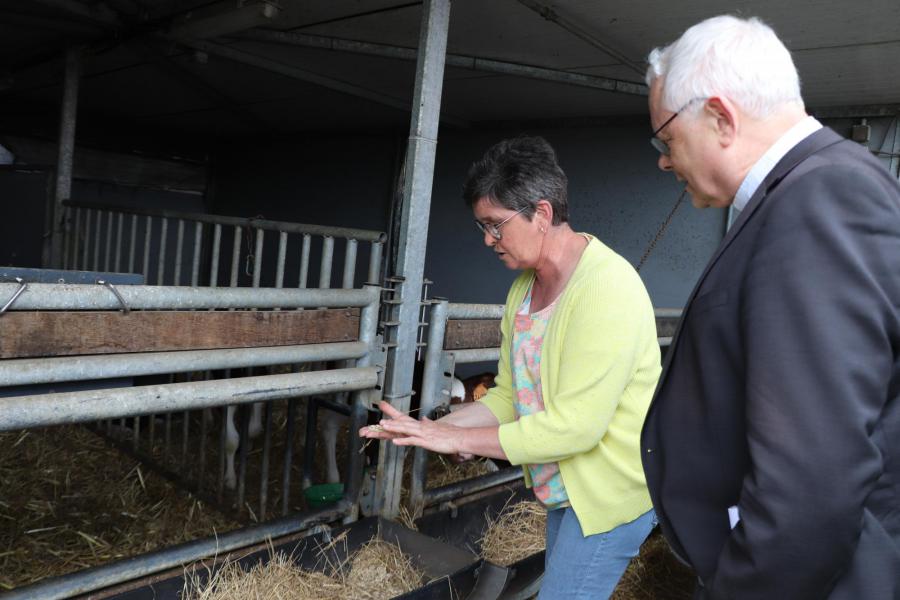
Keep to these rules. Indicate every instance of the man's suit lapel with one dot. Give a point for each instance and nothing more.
(814, 143)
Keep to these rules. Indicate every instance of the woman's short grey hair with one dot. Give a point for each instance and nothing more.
(741, 59)
(516, 174)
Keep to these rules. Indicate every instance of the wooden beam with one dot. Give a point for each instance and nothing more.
(48, 333)
(472, 333)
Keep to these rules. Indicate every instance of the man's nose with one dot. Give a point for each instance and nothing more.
(664, 163)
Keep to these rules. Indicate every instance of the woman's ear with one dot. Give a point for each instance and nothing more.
(543, 212)
(726, 119)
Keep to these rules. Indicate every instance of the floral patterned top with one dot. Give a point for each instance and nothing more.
(528, 337)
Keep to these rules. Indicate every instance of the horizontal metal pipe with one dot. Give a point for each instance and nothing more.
(334, 406)
(667, 313)
(29, 371)
(363, 235)
(475, 311)
(129, 569)
(475, 355)
(470, 486)
(23, 412)
(664, 341)
(61, 296)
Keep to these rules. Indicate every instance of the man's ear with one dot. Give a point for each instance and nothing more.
(725, 117)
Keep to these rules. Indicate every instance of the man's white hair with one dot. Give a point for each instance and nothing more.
(740, 59)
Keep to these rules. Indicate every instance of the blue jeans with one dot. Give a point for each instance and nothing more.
(578, 567)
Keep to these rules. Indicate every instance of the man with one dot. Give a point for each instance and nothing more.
(772, 446)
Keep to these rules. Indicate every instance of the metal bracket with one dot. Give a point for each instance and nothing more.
(125, 308)
(15, 296)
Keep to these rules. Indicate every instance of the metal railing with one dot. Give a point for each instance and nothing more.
(131, 405)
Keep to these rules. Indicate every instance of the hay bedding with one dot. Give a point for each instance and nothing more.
(68, 501)
(376, 571)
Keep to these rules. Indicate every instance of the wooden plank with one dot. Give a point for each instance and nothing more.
(48, 333)
(472, 333)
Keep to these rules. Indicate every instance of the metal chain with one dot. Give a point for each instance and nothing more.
(661, 231)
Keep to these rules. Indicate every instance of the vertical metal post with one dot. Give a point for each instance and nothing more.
(257, 257)
(148, 233)
(282, 255)
(216, 247)
(72, 261)
(195, 259)
(288, 457)
(109, 236)
(235, 257)
(132, 242)
(179, 252)
(410, 260)
(431, 377)
(304, 261)
(117, 265)
(59, 225)
(264, 469)
(87, 240)
(375, 262)
(161, 267)
(325, 266)
(349, 264)
(99, 225)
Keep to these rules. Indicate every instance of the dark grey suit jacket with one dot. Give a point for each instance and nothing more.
(781, 392)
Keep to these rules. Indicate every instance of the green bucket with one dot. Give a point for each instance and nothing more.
(323, 494)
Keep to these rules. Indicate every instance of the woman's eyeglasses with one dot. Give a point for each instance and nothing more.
(494, 230)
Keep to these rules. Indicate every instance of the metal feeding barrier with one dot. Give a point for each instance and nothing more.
(198, 250)
(34, 354)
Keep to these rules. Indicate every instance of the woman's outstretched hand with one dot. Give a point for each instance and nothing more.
(404, 430)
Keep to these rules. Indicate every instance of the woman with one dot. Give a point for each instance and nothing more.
(578, 367)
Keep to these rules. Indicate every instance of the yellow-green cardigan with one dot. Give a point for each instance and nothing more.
(599, 367)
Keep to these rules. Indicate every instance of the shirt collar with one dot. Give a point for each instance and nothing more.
(775, 153)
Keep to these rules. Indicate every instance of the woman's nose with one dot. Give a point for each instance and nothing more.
(489, 240)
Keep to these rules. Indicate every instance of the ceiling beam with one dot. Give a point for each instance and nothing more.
(96, 13)
(268, 64)
(570, 26)
(473, 63)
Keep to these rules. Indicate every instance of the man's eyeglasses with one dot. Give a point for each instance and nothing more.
(661, 146)
(494, 230)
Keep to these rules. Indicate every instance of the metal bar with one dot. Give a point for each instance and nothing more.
(431, 377)
(195, 259)
(476, 355)
(179, 252)
(161, 267)
(325, 266)
(282, 255)
(117, 265)
(22, 412)
(304, 261)
(148, 231)
(216, 247)
(572, 27)
(243, 450)
(66, 236)
(68, 296)
(99, 225)
(235, 257)
(109, 236)
(223, 442)
(132, 243)
(475, 311)
(136, 427)
(349, 264)
(288, 457)
(264, 467)
(471, 486)
(342, 408)
(76, 234)
(258, 257)
(205, 416)
(309, 448)
(375, 250)
(410, 260)
(167, 436)
(473, 63)
(363, 235)
(96, 578)
(185, 435)
(66, 156)
(360, 402)
(87, 240)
